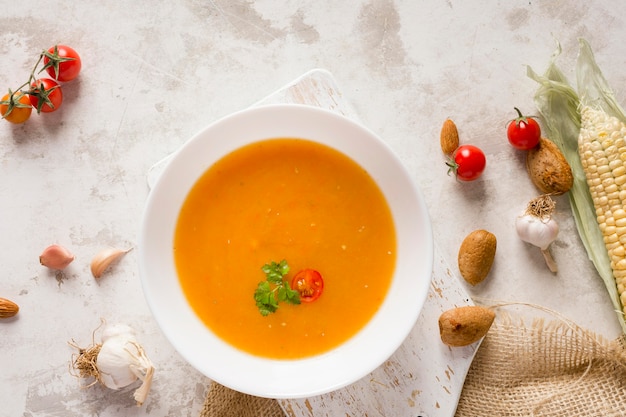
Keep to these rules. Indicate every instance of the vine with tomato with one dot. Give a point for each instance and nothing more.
(62, 64)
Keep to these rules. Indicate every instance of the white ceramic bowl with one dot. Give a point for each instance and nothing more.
(347, 363)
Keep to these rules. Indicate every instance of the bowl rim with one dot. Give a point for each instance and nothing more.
(275, 378)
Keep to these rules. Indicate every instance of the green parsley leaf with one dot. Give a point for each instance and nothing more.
(286, 294)
(275, 272)
(275, 288)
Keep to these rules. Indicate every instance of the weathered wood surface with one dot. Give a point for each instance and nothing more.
(423, 377)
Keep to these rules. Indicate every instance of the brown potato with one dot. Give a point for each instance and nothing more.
(463, 326)
(476, 255)
(548, 168)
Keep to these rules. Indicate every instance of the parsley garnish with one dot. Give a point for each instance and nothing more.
(275, 288)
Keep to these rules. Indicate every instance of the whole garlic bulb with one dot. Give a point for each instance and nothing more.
(537, 227)
(114, 359)
(117, 362)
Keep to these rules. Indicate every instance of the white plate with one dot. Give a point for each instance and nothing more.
(294, 378)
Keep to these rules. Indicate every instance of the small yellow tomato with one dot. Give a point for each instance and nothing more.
(20, 106)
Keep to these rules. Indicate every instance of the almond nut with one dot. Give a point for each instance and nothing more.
(449, 137)
(8, 308)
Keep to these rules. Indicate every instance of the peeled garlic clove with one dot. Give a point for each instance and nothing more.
(104, 258)
(56, 257)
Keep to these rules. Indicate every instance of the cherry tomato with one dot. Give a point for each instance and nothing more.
(19, 105)
(523, 132)
(467, 162)
(45, 95)
(309, 283)
(62, 62)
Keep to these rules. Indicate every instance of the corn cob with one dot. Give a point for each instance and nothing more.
(602, 149)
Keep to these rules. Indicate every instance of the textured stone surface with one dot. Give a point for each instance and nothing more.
(156, 73)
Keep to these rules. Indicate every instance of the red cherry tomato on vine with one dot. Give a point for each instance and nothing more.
(16, 109)
(523, 132)
(45, 95)
(467, 163)
(62, 63)
(309, 283)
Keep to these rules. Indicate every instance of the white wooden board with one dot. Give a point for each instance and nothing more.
(423, 377)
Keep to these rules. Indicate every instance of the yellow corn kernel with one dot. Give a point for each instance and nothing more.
(615, 165)
(603, 165)
(614, 196)
(608, 175)
(593, 145)
(619, 213)
(601, 201)
(609, 239)
(610, 247)
(618, 251)
(610, 221)
(609, 181)
(620, 264)
(619, 169)
(613, 202)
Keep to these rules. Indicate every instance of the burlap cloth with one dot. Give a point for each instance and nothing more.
(224, 402)
(544, 369)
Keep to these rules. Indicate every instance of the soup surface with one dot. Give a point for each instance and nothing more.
(289, 199)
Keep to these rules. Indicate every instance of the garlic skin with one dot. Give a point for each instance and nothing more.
(122, 360)
(536, 231)
(114, 361)
(104, 259)
(115, 330)
(56, 257)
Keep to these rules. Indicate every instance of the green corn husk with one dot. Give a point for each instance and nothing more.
(559, 106)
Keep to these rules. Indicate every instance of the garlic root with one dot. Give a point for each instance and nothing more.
(104, 259)
(84, 363)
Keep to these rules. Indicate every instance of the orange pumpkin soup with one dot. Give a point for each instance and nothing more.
(289, 199)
